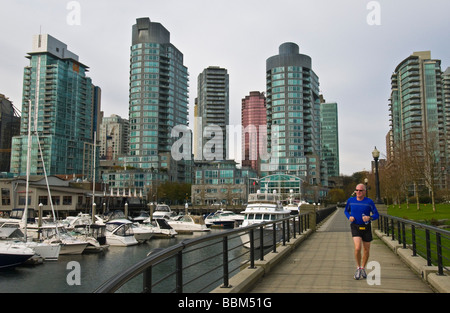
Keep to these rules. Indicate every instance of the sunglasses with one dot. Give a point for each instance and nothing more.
(360, 190)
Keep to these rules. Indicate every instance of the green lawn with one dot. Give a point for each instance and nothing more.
(424, 215)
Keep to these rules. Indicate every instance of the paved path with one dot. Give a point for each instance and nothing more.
(324, 263)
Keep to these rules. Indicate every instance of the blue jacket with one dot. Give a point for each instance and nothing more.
(357, 209)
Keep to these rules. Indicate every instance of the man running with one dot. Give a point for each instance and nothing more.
(358, 211)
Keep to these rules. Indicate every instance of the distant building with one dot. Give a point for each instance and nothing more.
(158, 102)
(212, 115)
(419, 113)
(221, 183)
(9, 127)
(63, 106)
(113, 137)
(330, 137)
(253, 117)
(293, 119)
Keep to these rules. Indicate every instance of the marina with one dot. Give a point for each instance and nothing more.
(94, 268)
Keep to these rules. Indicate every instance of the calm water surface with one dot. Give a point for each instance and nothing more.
(51, 277)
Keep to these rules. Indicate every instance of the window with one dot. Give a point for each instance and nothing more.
(6, 197)
(67, 200)
(43, 200)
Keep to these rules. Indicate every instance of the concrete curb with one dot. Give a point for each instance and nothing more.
(418, 265)
(247, 277)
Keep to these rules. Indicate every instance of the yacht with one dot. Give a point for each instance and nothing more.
(142, 233)
(119, 232)
(224, 219)
(13, 254)
(13, 234)
(163, 211)
(160, 228)
(188, 224)
(263, 207)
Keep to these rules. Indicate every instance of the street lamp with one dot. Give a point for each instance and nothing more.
(376, 155)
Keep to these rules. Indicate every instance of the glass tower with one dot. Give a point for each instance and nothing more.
(62, 105)
(158, 100)
(293, 115)
(330, 137)
(417, 110)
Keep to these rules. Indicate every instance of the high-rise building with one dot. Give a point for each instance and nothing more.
(113, 137)
(212, 114)
(9, 127)
(254, 121)
(293, 116)
(62, 105)
(329, 136)
(418, 114)
(158, 101)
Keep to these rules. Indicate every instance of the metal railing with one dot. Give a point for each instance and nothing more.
(207, 262)
(432, 243)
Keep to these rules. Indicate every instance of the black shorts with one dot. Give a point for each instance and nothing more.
(363, 231)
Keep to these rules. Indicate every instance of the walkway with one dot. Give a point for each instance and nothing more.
(324, 263)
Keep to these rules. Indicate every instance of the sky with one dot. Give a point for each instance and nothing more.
(355, 46)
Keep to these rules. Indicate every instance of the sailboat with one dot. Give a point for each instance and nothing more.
(48, 251)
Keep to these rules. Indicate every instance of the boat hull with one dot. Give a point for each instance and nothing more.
(49, 252)
(12, 255)
(121, 241)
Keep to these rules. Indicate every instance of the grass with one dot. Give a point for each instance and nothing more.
(424, 215)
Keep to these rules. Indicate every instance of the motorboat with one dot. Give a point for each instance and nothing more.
(14, 254)
(47, 251)
(119, 232)
(142, 233)
(143, 215)
(263, 207)
(94, 234)
(160, 228)
(188, 224)
(163, 211)
(224, 219)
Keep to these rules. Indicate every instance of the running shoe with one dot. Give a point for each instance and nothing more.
(363, 273)
(357, 274)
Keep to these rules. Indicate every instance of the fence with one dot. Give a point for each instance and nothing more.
(204, 263)
(432, 243)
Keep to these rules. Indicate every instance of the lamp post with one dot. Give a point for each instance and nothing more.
(366, 182)
(376, 155)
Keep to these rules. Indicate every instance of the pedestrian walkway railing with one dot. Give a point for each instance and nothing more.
(431, 243)
(206, 262)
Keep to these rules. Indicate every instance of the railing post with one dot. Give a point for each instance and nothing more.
(293, 225)
(427, 238)
(404, 235)
(252, 249)
(399, 233)
(225, 263)
(283, 225)
(179, 272)
(413, 239)
(274, 237)
(147, 280)
(392, 228)
(261, 243)
(439, 254)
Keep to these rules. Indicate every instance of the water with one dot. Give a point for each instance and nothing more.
(51, 277)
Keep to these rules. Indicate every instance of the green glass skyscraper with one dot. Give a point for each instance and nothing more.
(158, 100)
(64, 106)
(418, 114)
(293, 116)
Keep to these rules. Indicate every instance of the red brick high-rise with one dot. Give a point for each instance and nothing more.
(253, 122)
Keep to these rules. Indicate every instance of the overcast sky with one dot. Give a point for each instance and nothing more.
(355, 46)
